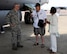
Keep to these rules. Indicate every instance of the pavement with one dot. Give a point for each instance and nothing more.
(28, 40)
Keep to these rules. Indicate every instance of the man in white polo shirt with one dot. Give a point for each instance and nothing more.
(39, 18)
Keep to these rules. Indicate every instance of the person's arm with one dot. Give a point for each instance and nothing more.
(8, 19)
(45, 17)
(32, 14)
(20, 16)
(46, 22)
(8, 16)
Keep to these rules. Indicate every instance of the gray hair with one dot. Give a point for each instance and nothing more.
(15, 4)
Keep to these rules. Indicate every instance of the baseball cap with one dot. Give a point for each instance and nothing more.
(37, 4)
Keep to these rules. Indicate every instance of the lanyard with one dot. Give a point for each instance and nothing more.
(37, 15)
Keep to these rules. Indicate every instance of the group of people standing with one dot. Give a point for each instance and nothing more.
(40, 20)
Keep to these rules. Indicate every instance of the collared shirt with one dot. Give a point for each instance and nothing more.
(38, 15)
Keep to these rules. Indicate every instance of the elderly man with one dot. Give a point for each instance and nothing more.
(13, 18)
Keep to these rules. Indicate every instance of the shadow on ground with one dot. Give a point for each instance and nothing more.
(27, 41)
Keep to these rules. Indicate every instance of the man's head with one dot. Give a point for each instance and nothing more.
(37, 6)
(16, 6)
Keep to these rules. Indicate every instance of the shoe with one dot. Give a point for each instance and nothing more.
(49, 50)
(36, 44)
(42, 45)
(19, 45)
(2, 32)
(14, 47)
(53, 53)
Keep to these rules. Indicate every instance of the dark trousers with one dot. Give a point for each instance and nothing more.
(2, 29)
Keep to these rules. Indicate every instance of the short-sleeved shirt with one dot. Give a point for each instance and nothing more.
(38, 15)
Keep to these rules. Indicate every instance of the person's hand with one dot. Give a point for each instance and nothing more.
(12, 25)
(48, 22)
(44, 24)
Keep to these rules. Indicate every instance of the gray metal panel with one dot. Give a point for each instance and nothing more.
(3, 14)
(9, 3)
(22, 1)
